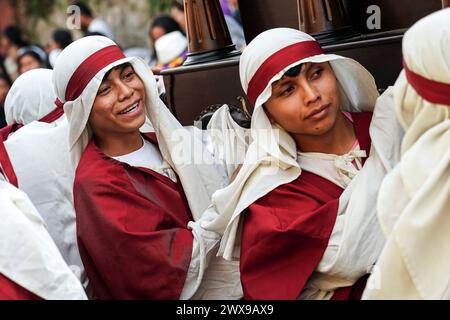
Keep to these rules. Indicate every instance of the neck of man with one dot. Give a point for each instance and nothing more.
(338, 140)
(115, 146)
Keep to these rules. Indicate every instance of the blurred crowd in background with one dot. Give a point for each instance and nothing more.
(167, 38)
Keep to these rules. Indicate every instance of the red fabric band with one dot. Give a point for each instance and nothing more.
(6, 131)
(55, 114)
(89, 68)
(430, 90)
(59, 104)
(278, 61)
(7, 166)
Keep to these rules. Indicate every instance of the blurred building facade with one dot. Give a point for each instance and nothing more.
(129, 20)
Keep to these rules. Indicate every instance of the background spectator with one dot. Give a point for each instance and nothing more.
(171, 50)
(5, 85)
(30, 58)
(12, 41)
(91, 24)
(160, 26)
(60, 39)
(236, 31)
(234, 7)
(177, 13)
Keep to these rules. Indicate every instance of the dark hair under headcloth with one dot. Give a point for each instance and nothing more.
(294, 71)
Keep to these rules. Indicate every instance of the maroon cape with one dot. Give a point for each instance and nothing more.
(11, 291)
(131, 228)
(6, 131)
(285, 233)
(6, 167)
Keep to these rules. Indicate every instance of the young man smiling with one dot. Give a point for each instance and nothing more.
(136, 206)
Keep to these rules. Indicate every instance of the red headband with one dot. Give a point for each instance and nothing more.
(278, 61)
(430, 90)
(89, 68)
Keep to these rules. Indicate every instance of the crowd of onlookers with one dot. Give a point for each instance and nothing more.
(167, 35)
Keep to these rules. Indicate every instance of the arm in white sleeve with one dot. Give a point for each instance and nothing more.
(203, 248)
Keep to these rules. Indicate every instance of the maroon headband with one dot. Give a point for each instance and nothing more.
(278, 61)
(89, 68)
(53, 116)
(430, 90)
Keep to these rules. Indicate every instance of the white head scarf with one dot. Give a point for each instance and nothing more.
(39, 154)
(31, 97)
(78, 73)
(271, 157)
(414, 201)
(170, 46)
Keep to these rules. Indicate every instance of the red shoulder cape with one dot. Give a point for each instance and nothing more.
(131, 229)
(10, 290)
(286, 232)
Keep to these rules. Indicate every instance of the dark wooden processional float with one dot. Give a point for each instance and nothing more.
(210, 75)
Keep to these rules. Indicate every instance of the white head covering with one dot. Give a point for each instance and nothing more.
(31, 97)
(39, 154)
(271, 157)
(28, 255)
(77, 76)
(414, 201)
(170, 46)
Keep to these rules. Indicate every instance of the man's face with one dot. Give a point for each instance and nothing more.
(4, 88)
(27, 63)
(305, 102)
(119, 105)
(4, 45)
(156, 33)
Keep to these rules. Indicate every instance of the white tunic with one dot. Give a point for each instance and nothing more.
(148, 156)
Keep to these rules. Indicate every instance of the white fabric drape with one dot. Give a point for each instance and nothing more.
(30, 98)
(414, 201)
(28, 255)
(39, 153)
(229, 140)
